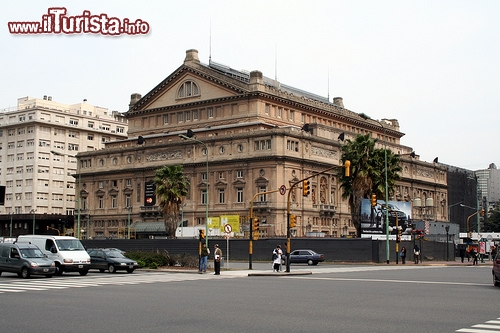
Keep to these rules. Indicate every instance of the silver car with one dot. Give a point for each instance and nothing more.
(25, 260)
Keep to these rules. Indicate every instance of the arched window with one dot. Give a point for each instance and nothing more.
(188, 89)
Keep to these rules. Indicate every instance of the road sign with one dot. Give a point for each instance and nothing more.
(228, 228)
(282, 189)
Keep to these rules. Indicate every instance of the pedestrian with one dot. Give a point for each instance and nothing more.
(473, 255)
(277, 253)
(416, 254)
(462, 253)
(217, 259)
(402, 254)
(205, 251)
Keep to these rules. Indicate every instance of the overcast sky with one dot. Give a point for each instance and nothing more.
(433, 65)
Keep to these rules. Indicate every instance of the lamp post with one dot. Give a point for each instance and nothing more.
(128, 223)
(10, 228)
(34, 220)
(447, 228)
(364, 116)
(449, 210)
(189, 136)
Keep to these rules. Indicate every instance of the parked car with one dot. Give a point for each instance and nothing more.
(25, 260)
(306, 256)
(496, 270)
(111, 260)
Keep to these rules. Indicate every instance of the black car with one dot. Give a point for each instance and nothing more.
(111, 260)
(306, 256)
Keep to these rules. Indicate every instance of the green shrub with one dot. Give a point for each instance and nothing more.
(157, 259)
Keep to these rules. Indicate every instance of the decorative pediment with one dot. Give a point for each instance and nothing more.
(239, 181)
(187, 85)
(113, 191)
(221, 183)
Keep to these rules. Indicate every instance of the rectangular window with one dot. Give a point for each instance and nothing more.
(262, 197)
(180, 117)
(204, 176)
(204, 197)
(292, 115)
(268, 108)
(128, 201)
(239, 195)
(195, 115)
(187, 115)
(100, 202)
(239, 174)
(165, 119)
(221, 196)
(280, 112)
(210, 112)
(113, 201)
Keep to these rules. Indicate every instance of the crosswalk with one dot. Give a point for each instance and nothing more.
(91, 280)
(491, 326)
(95, 279)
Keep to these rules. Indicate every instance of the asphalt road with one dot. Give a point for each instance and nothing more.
(334, 298)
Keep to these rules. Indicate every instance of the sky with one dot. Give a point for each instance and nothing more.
(434, 65)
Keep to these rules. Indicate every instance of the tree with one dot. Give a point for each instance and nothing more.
(367, 173)
(172, 186)
(492, 222)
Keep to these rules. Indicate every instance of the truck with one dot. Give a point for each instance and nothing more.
(67, 252)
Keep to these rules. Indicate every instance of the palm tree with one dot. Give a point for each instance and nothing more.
(172, 186)
(367, 173)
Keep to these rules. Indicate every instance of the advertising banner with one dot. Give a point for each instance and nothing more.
(232, 220)
(373, 217)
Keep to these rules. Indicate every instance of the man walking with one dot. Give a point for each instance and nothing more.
(217, 259)
(204, 258)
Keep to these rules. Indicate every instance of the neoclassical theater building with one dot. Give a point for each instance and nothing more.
(253, 135)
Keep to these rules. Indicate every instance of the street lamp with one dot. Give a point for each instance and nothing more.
(449, 210)
(128, 225)
(189, 136)
(79, 190)
(447, 228)
(364, 116)
(10, 228)
(33, 211)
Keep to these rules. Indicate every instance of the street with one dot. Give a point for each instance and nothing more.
(334, 298)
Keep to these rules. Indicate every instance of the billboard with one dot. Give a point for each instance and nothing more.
(150, 194)
(373, 217)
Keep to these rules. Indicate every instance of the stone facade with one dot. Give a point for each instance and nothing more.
(251, 132)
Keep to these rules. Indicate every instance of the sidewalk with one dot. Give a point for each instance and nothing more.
(264, 267)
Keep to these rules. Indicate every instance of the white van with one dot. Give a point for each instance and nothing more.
(67, 252)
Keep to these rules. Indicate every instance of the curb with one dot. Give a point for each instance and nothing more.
(280, 274)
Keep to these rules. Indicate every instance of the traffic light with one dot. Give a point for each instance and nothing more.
(293, 221)
(202, 234)
(306, 188)
(255, 224)
(373, 200)
(347, 166)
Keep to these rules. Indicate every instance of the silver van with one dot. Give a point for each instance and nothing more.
(25, 260)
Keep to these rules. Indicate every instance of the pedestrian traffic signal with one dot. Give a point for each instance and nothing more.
(293, 221)
(202, 234)
(373, 200)
(347, 166)
(306, 188)
(255, 224)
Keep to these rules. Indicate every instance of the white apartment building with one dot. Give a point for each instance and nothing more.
(39, 139)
